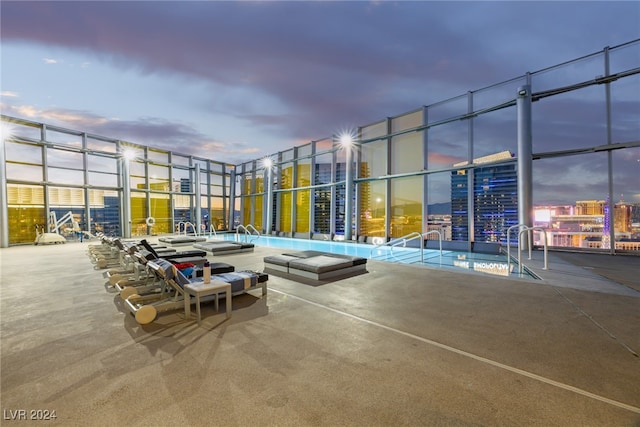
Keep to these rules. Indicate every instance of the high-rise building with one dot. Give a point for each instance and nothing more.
(495, 199)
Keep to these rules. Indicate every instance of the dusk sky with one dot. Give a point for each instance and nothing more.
(235, 81)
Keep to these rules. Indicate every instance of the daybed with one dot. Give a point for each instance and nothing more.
(221, 247)
(316, 265)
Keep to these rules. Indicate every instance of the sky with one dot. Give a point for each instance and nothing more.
(236, 81)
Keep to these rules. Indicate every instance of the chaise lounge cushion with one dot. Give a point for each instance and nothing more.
(281, 260)
(356, 260)
(224, 246)
(320, 264)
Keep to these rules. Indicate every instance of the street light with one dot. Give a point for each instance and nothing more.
(346, 140)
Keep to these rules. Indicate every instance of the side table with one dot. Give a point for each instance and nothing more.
(201, 289)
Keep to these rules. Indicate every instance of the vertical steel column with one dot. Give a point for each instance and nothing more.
(357, 195)
(232, 199)
(269, 187)
(348, 202)
(525, 158)
(45, 176)
(333, 203)
(126, 198)
(471, 180)
(294, 192)
(312, 191)
(85, 190)
(611, 213)
(4, 209)
(425, 166)
(387, 183)
(198, 192)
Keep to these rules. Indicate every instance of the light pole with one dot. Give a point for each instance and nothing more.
(347, 143)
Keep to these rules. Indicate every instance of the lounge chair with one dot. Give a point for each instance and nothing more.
(171, 295)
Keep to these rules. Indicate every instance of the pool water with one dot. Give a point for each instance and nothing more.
(494, 264)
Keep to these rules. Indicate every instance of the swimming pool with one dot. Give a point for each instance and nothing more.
(494, 264)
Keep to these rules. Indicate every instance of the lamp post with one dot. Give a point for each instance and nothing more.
(346, 141)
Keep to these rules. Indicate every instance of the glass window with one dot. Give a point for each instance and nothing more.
(625, 109)
(303, 197)
(568, 206)
(498, 94)
(304, 150)
(137, 168)
(158, 156)
(626, 205)
(216, 167)
(570, 120)
(373, 159)
(322, 210)
(258, 210)
(105, 212)
(442, 190)
(495, 132)
(103, 179)
(447, 145)
(66, 176)
(181, 178)
(407, 153)
(24, 130)
(23, 153)
(25, 212)
(58, 137)
(64, 159)
(406, 206)
(287, 155)
(568, 74)
(159, 179)
(23, 172)
(406, 149)
(218, 214)
(177, 159)
(373, 131)
(373, 201)
(448, 109)
(96, 144)
(102, 164)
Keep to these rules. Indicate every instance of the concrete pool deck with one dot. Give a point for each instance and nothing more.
(399, 345)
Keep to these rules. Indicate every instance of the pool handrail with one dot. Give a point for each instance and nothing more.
(247, 232)
(408, 237)
(529, 229)
(519, 226)
(525, 228)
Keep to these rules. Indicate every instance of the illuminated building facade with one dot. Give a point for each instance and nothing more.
(494, 199)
